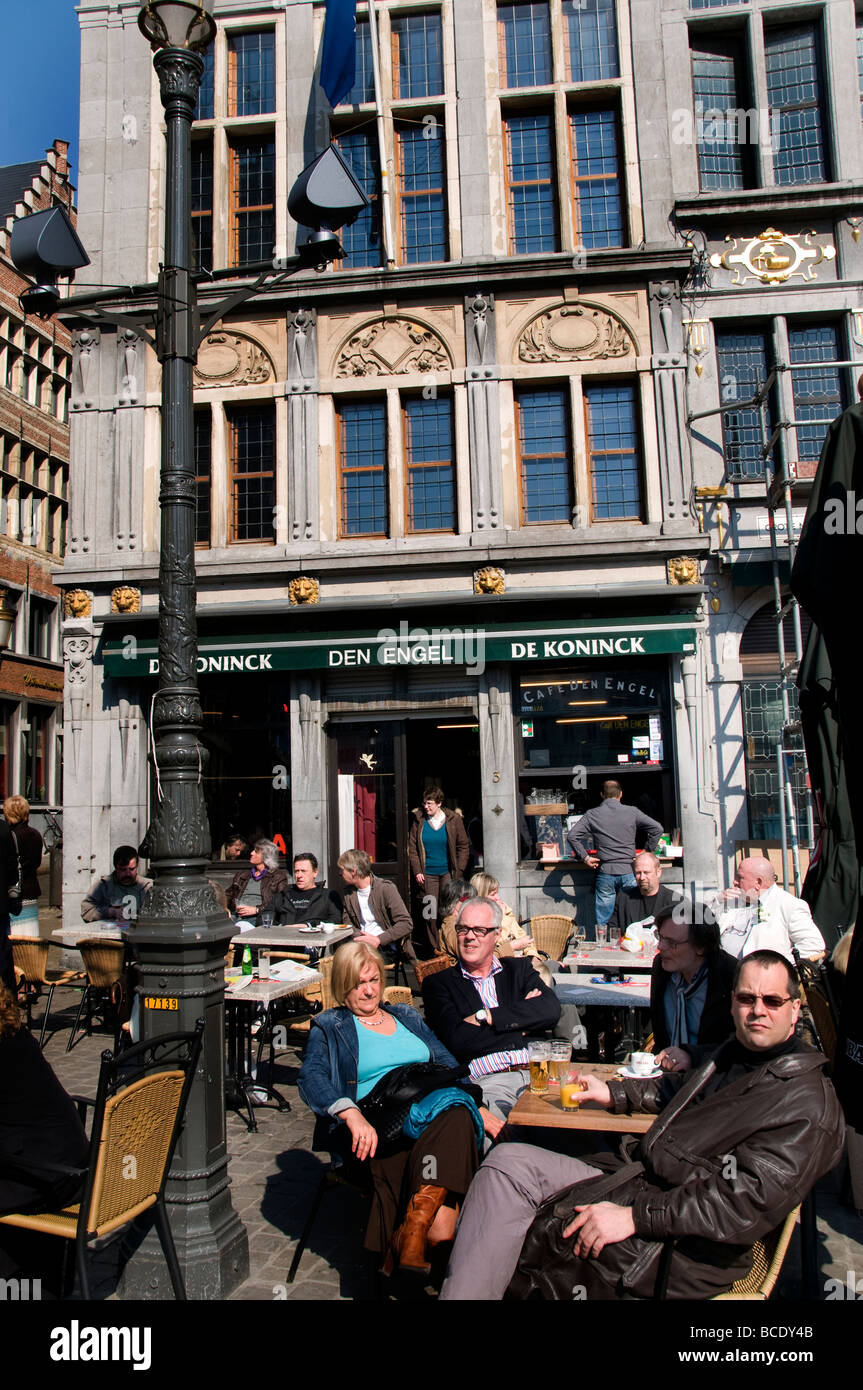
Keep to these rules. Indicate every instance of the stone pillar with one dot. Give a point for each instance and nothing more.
(499, 788)
(309, 825)
(669, 379)
(301, 391)
(78, 789)
(483, 414)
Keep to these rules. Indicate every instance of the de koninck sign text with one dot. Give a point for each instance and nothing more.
(409, 645)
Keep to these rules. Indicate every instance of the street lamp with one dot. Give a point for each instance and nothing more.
(182, 933)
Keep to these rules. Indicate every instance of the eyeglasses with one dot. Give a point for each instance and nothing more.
(770, 1001)
(669, 940)
(476, 931)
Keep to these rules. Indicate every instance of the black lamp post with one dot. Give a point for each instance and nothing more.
(181, 935)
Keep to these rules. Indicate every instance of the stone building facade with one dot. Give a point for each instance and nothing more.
(35, 370)
(448, 525)
(756, 161)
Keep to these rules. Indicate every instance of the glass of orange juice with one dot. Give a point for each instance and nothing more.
(570, 1088)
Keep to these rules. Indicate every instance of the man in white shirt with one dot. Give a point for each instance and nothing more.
(757, 915)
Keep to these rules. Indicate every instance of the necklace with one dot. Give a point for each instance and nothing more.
(373, 1022)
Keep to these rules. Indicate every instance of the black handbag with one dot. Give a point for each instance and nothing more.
(387, 1105)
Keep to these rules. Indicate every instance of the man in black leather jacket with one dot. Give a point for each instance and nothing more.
(738, 1144)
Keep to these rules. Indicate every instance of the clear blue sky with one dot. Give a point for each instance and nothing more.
(39, 95)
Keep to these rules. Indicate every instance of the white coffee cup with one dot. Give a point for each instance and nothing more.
(643, 1063)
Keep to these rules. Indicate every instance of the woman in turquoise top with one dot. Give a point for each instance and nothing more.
(350, 1048)
(438, 847)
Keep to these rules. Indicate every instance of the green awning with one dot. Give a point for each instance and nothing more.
(415, 645)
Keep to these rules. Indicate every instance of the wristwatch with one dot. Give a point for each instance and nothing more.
(481, 1016)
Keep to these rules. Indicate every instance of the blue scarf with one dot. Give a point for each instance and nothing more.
(422, 1112)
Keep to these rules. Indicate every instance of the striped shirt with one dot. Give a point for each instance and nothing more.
(492, 1062)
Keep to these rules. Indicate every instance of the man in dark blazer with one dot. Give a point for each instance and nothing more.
(484, 1008)
(638, 906)
(8, 880)
(690, 985)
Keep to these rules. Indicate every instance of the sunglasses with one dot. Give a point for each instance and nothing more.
(476, 931)
(770, 1001)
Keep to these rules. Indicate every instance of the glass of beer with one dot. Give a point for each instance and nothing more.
(539, 1052)
(561, 1056)
(570, 1087)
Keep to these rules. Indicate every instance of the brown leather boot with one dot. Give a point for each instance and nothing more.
(410, 1238)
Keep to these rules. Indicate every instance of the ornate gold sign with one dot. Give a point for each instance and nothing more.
(772, 257)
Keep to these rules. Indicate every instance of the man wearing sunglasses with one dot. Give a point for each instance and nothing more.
(738, 1144)
(484, 1008)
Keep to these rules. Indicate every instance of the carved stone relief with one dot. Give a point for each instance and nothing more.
(127, 347)
(77, 603)
(392, 347)
(303, 589)
(574, 333)
(489, 580)
(232, 359)
(125, 599)
(682, 569)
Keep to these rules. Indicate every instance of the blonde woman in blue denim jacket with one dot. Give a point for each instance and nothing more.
(350, 1048)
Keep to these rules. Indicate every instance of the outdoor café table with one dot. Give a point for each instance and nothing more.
(595, 959)
(70, 936)
(580, 989)
(241, 1008)
(295, 938)
(546, 1112)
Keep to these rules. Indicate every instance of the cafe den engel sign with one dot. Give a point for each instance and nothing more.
(414, 645)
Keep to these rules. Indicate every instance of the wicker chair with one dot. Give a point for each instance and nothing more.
(138, 1112)
(767, 1257)
(398, 994)
(551, 933)
(30, 956)
(103, 962)
(424, 968)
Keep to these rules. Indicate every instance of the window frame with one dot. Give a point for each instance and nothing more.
(203, 429)
(595, 384)
(233, 412)
(412, 468)
(508, 116)
(404, 20)
(238, 36)
(522, 390)
(236, 144)
(585, 179)
(347, 403)
(403, 199)
(510, 6)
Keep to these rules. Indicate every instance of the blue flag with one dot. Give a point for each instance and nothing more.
(339, 49)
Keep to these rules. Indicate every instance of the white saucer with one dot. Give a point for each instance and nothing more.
(639, 1075)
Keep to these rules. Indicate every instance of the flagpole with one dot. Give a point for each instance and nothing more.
(386, 193)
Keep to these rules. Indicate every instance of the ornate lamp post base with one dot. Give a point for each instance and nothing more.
(182, 969)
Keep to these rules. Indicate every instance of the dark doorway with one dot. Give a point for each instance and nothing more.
(378, 772)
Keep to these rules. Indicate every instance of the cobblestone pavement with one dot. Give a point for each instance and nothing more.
(275, 1175)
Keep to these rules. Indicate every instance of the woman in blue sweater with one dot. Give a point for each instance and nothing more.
(350, 1049)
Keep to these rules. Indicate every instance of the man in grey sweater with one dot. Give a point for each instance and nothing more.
(610, 828)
